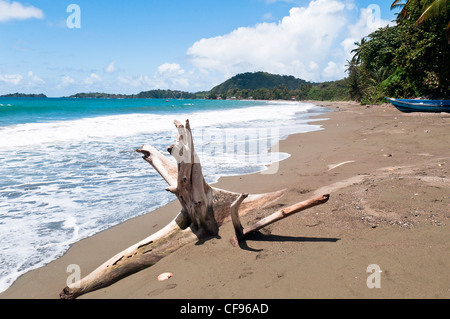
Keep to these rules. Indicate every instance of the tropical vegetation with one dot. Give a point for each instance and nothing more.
(410, 59)
(266, 86)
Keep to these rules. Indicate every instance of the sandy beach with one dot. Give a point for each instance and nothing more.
(387, 176)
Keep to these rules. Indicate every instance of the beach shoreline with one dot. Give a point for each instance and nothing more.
(387, 173)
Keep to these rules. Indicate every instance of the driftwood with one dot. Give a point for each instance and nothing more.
(204, 210)
(241, 232)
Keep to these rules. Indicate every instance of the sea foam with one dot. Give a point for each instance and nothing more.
(64, 180)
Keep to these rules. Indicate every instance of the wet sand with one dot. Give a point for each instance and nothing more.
(387, 176)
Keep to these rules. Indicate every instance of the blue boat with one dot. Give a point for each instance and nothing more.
(409, 106)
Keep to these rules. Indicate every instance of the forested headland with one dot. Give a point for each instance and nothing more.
(40, 95)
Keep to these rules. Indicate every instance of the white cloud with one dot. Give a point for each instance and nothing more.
(170, 69)
(171, 75)
(110, 67)
(14, 79)
(140, 81)
(34, 79)
(15, 10)
(66, 81)
(369, 21)
(19, 81)
(167, 76)
(303, 39)
(92, 78)
(332, 71)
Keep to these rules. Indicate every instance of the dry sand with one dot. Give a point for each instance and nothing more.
(389, 206)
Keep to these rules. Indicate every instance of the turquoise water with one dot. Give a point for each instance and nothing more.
(38, 110)
(69, 167)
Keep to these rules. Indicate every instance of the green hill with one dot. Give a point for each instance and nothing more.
(266, 86)
(258, 86)
(257, 80)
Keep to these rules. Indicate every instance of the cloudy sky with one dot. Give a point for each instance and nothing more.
(117, 46)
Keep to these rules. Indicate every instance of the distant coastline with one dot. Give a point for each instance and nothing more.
(245, 86)
(40, 95)
(152, 94)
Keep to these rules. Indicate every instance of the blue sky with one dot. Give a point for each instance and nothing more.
(131, 46)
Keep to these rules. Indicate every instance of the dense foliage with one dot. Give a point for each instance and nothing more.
(257, 80)
(325, 91)
(168, 94)
(266, 86)
(406, 60)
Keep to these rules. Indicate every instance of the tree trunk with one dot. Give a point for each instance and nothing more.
(204, 210)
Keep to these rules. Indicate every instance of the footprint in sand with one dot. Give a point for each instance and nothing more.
(161, 290)
(261, 255)
(247, 272)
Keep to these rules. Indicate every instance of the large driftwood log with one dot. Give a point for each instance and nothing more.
(204, 210)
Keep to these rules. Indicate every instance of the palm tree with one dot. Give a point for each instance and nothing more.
(357, 56)
(430, 9)
(403, 14)
(379, 75)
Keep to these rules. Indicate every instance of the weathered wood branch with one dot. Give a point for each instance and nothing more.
(234, 211)
(163, 165)
(241, 232)
(133, 259)
(204, 210)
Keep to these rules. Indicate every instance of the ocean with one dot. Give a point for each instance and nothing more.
(69, 169)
